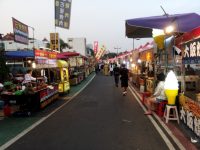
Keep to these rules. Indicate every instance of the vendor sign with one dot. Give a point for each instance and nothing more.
(54, 43)
(41, 54)
(20, 31)
(45, 59)
(192, 52)
(62, 13)
(190, 114)
(72, 61)
(79, 61)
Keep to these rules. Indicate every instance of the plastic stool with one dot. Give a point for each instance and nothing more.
(161, 108)
(144, 95)
(169, 116)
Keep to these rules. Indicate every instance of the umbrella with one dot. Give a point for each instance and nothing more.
(142, 27)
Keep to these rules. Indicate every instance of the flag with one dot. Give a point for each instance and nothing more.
(62, 13)
(95, 47)
(100, 52)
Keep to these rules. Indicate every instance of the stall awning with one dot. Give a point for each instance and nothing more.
(69, 54)
(60, 56)
(20, 54)
(62, 64)
(142, 27)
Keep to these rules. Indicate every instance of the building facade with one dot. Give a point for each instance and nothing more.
(77, 45)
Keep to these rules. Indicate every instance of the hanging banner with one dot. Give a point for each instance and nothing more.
(54, 43)
(62, 13)
(100, 52)
(95, 47)
(192, 52)
(20, 32)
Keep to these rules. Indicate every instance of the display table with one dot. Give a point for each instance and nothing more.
(73, 81)
(76, 78)
(31, 102)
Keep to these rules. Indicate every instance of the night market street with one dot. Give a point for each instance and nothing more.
(99, 118)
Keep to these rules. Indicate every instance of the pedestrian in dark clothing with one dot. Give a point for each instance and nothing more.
(116, 72)
(97, 68)
(124, 78)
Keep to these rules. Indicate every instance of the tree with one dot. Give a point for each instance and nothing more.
(4, 69)
(63, 45)
(109, 55)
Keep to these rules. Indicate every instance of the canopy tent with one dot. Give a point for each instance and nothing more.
(20, 54)
(142, 27)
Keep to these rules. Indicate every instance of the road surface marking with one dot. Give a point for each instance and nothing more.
(178, 143)
(159, 120)
(166, 140)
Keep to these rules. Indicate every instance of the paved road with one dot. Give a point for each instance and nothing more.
(99, 118)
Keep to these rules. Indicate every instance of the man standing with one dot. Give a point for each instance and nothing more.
(124, 78)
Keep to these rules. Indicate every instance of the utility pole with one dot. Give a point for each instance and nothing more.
(134, 43)
(33, 36)
(117, 48)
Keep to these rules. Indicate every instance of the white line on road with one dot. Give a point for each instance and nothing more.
(13, 140)
(178, 143)
(167, 141)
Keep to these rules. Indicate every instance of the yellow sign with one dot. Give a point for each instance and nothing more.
(159, 40)
(100, 52)
(54, 41)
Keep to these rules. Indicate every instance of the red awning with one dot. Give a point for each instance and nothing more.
(60, 56)
(69, 54)
(187, 37)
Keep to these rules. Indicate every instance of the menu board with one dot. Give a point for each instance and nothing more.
(72, 62)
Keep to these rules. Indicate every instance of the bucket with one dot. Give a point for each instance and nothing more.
(171, 96)
(7, 110)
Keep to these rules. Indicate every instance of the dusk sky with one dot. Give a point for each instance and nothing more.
(96, 20)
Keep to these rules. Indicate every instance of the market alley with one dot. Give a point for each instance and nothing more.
(99, 118)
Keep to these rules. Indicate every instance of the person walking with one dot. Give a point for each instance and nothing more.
(116, 72)
(111, 69)
(124, 78)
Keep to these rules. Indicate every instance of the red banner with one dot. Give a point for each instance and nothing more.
(52, 55)
(41, 53)
(95, 47)
(45, 54)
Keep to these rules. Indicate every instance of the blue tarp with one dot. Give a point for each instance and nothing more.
(20, 54)
(142, 27)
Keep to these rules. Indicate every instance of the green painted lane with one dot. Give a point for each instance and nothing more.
(12, 126)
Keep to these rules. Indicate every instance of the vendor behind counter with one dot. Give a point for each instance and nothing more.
(28, 77)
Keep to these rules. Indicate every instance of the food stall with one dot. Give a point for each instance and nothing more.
(33, 96)
(189, 44)
(44, 69)
(146, 57)
(76, 69)
(76, 66)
